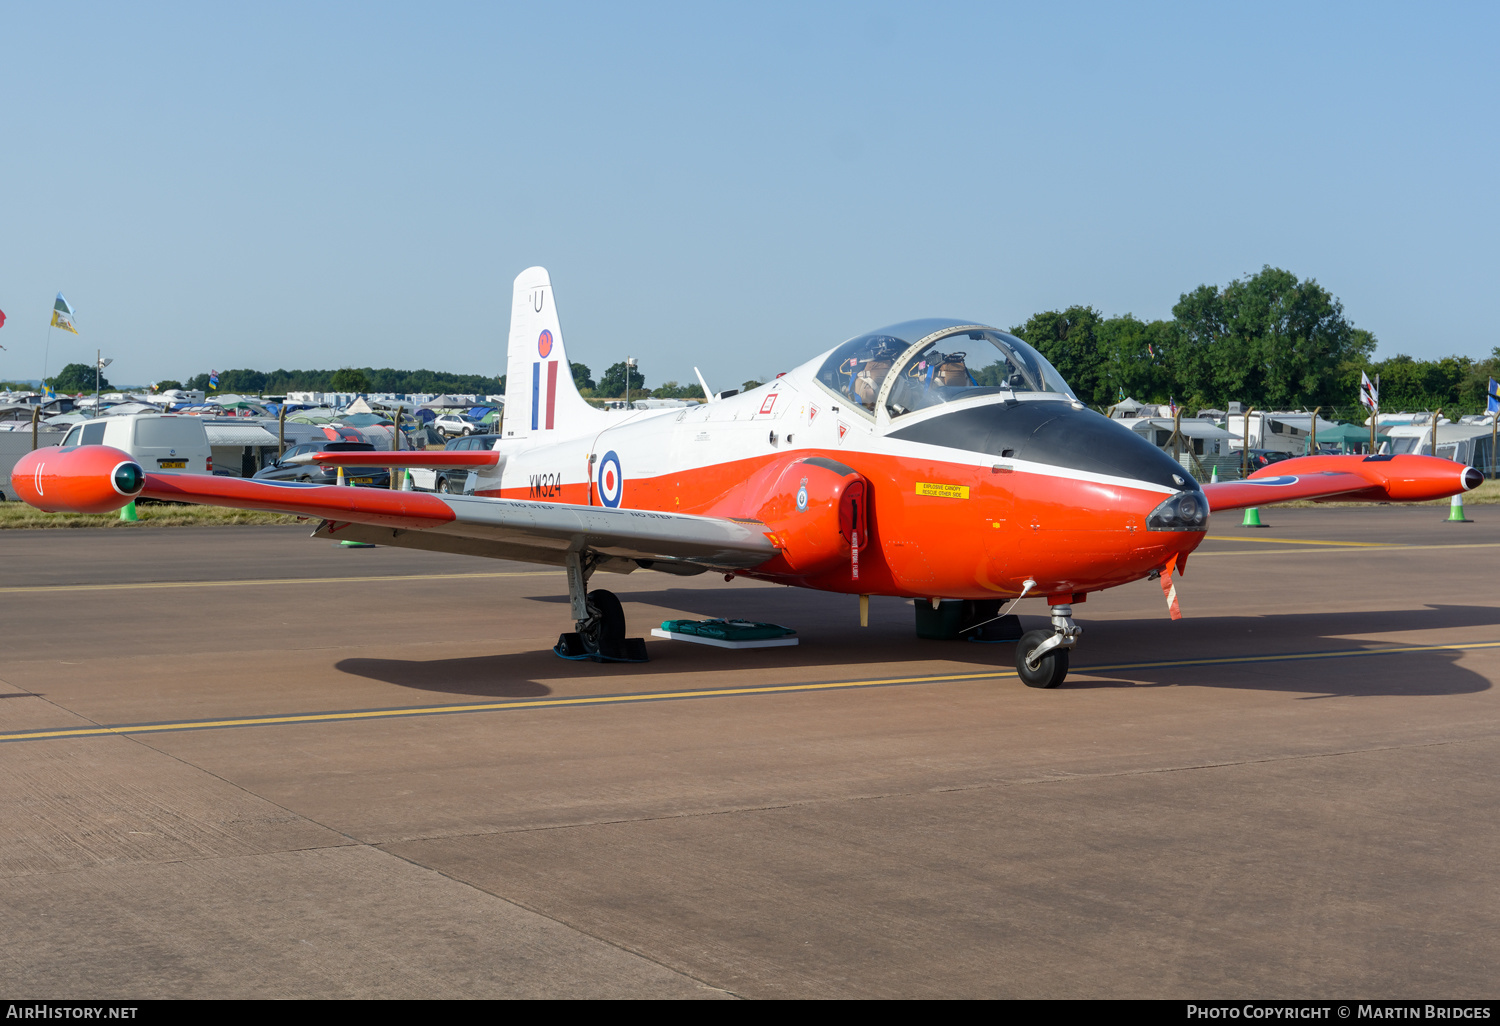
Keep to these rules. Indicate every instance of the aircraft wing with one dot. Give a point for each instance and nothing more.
(99, 479)
(1404, 478)
(538, 532)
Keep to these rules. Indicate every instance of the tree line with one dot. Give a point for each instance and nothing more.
(1267, 340)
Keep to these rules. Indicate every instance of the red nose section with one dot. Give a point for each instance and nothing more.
(88, 479)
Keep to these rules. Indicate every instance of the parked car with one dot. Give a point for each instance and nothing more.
(283, 470)
(454, 425)
(455, 480)
(1261, 458)
(158, 441)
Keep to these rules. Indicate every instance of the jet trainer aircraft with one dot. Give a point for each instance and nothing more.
(934, 459)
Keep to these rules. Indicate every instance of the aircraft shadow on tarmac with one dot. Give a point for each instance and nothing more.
(833, 648)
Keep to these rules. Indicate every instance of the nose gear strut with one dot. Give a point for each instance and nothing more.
(1042, 656)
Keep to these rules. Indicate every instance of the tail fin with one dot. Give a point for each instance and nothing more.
(541, 401)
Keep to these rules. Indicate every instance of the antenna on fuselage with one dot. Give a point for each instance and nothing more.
(708, 393)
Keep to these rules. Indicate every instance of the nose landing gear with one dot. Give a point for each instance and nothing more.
(1042, 656)
(598, 620)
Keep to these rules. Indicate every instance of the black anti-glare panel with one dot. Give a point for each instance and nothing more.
(1054, 433)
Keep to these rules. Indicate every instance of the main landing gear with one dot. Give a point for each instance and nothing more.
(598, 620)
(1042, 656)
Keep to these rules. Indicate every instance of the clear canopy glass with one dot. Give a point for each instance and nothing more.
(959, 364)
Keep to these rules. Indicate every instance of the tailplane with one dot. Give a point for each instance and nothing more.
(541, 401)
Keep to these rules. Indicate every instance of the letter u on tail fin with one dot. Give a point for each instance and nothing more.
(541, 401)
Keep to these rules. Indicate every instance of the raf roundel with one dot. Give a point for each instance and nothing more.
(611, 481)
(544, 343)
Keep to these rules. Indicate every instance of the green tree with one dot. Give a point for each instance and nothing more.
(78, 377)
(1267, 339)
(748, 385)
(1135, 361)
(612, 385)
(349, 379)
(244, 381)
(582, 376)
(1067, 339)
(162, 386)
(672, 390)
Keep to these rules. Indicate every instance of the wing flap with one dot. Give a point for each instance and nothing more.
(634, 534)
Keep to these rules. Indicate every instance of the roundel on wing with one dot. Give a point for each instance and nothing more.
(544, 343)
(611, 481)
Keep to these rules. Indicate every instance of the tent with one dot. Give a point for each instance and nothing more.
(446, 402)
(1348, 436)
(361, 420)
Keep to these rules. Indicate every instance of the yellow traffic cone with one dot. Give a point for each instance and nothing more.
(1456, 512)
(1252, 518)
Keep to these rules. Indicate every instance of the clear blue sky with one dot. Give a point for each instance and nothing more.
(736, 186)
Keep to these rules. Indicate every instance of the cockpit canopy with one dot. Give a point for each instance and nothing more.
(931, 362)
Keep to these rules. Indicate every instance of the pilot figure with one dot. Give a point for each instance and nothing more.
(868, 370)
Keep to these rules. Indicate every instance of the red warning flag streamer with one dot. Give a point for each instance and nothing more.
(1169, 589)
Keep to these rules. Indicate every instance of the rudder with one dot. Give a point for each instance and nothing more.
(541, 401)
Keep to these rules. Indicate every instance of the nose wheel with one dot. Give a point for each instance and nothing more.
(598, 621)
(1042, 656)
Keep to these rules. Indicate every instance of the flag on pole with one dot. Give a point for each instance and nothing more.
(62, 315)
(213, 381)
(1369, 395)
(2, 318)
(1494, 393)
(47, 393)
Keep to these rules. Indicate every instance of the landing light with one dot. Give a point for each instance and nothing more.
(1185, 511)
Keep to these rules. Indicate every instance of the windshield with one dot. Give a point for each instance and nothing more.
(970, 363)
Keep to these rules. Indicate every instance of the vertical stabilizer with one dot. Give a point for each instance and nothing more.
(541, 401)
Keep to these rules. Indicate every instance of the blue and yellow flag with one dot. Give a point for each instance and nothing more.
(62, 315)
(1494, 393)
(213, 381)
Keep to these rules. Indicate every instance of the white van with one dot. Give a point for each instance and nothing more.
(158, 441)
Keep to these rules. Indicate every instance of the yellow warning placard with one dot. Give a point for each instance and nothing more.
(943, 491)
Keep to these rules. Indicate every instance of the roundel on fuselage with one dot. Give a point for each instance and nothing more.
(611, 480)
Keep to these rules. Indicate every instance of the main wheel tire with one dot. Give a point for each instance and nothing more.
(443, 486)
(605, 632)
(1050, 669)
